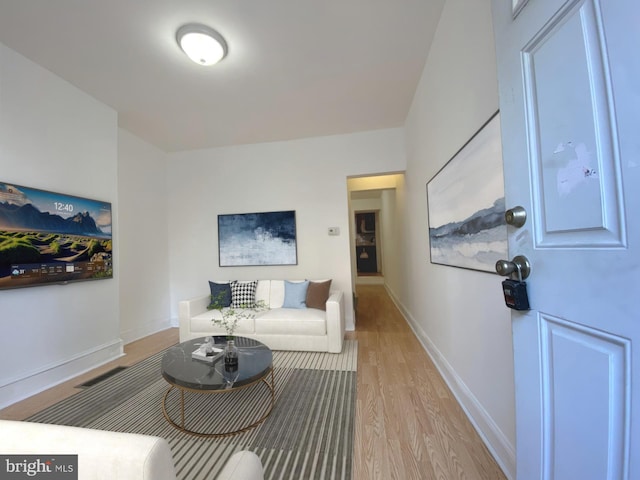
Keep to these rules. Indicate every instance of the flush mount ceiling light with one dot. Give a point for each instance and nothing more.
(202, 44)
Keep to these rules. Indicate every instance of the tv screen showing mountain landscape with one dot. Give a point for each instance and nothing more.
(48, 237)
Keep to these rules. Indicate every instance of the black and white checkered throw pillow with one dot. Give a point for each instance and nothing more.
(243, 294)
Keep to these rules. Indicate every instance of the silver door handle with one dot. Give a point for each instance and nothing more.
(516, 216)
(520, 265)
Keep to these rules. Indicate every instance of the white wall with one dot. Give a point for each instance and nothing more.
(389, 231)
(55, 137)
(308, 176)
(458, 314)
(144, 238)
(366, 204)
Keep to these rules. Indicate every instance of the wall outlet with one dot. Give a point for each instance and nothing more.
(334, 231)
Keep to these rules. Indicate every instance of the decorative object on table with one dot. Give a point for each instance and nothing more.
(230, 356)
(230, 375)
(208, 351)
(466, 204)
(249, 239)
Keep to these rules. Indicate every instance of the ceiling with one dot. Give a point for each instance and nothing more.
(295, 68)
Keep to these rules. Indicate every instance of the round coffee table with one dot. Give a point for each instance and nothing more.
(181, 371)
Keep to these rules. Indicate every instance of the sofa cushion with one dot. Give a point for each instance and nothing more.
(276, 296)
(203, 323)
(263, 292)
(243, 294)
(291, 321)
(220, 295)
(317, 294)
(295, 294)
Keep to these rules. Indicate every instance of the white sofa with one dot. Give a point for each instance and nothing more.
(104, 455)
(302, 329)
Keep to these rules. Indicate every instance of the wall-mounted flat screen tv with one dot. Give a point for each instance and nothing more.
(48, 237)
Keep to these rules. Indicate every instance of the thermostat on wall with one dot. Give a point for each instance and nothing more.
(334, 231)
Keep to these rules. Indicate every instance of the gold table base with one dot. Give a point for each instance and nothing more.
(182, 426)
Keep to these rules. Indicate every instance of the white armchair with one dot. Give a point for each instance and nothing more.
(104, 455)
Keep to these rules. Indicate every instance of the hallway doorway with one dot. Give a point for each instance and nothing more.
(367, 241)
(372, 207)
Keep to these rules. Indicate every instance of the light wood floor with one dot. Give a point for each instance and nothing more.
(408, 424)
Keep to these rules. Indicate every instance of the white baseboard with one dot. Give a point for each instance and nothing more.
(502, 450)
(15, 390)
(142, 331)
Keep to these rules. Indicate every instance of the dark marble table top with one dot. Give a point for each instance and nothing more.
(180, 369)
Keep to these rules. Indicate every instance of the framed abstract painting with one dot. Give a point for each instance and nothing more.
(466, 204)
(250, 239)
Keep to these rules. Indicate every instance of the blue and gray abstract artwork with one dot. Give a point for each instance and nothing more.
(257, 239)
(476, 242)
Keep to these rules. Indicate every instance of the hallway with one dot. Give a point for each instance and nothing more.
(408, 424)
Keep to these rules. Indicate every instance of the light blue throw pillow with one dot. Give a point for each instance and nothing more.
(295, 294)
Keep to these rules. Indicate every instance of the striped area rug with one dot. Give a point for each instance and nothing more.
(308, 435)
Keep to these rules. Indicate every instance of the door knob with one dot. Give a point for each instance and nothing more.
(516, 216)
(520, 265)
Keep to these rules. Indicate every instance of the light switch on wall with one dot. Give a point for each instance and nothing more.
(334, 231)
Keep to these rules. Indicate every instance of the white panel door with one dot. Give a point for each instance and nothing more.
(569, 80)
